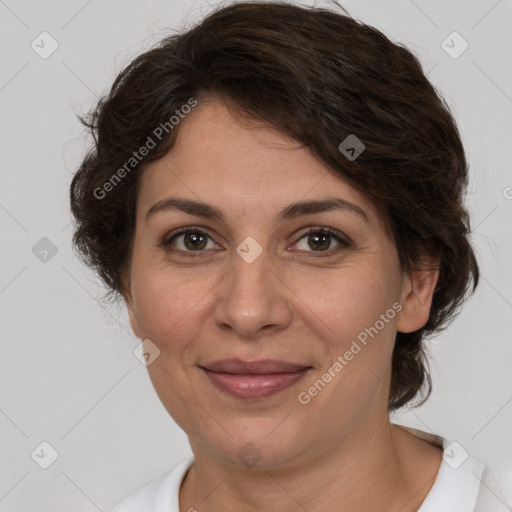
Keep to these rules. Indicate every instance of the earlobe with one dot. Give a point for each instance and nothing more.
(417, 293)
(131, 314)
(133, 320)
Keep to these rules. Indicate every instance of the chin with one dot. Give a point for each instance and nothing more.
(256, 443)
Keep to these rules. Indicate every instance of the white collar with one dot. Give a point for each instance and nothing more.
(458, 480)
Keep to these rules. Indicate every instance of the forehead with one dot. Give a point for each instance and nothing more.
(220, 159)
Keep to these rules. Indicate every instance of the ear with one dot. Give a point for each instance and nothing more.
(127, 296)
(416, 298)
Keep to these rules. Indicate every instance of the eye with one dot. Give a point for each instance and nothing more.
(319, 240)
(191, 241)
(188, 240)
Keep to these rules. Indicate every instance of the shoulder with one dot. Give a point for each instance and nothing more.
(495, 493)
(159, 495)
(464, 483)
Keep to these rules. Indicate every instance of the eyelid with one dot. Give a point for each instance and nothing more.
(343, 240)
(167, 239)
(336, 233)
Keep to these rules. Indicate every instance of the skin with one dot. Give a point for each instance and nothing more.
(292, 303)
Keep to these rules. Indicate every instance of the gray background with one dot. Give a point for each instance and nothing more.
(68, 375)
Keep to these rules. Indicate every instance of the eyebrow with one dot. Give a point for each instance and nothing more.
(292, 211)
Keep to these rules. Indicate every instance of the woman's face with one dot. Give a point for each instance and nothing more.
(256, 285)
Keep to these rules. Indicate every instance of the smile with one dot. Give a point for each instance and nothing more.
(254, 386)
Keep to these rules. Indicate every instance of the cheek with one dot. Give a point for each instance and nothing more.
(165, 305)
(348, 300)
(355, 341)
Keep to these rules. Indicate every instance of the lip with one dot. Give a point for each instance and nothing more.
(256, 379)
(259, 367)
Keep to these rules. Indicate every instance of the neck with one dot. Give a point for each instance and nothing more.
(384, 468)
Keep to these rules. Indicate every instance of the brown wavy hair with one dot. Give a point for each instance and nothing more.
(317, 75)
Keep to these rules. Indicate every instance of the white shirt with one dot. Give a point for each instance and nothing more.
(463, 484)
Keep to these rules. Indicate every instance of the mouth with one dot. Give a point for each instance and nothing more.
(255, 379)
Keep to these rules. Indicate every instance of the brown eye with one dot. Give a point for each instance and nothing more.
(194, 241)
(320, 240)
(187, 240)
(191, 241)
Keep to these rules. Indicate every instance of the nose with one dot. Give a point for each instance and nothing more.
(252, 300)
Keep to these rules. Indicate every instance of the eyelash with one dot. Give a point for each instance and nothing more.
(343, 242)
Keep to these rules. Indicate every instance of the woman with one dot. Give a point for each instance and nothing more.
(277, 195)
